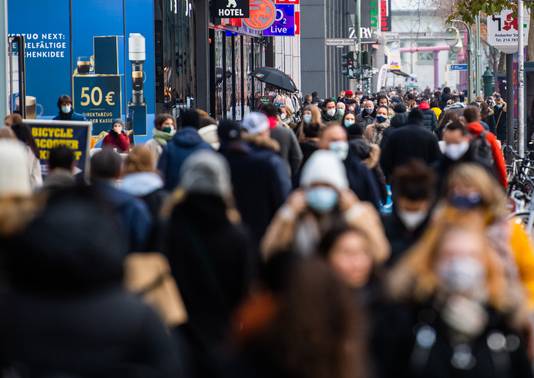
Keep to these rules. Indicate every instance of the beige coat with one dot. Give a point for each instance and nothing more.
(302, 233)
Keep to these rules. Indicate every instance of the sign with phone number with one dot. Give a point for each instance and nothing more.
(99, 98)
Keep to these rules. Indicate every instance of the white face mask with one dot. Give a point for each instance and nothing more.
(66, 108)
(349, 122)
(307, 118)
(340, 148)
(463, 275)
(331, 112)
(456, 150)
(283, 116)
(412, 219)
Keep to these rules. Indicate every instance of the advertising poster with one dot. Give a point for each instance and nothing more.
(284, 23)
(49, 134)
(99, 98)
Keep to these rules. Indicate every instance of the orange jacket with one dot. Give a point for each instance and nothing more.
(475, 128)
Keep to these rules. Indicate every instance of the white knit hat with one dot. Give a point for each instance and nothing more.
(210, 136)
(206, 172)
(14, 168)
(255, 123)
(324, 167)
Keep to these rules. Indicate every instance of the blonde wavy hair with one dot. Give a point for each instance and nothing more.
(491, 192)
(415, 277)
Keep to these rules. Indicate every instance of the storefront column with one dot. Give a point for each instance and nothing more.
(202, 54)
(3, 59)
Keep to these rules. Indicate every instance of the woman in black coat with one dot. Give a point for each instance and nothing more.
(210, 255)
(66, 313)
(456, 313)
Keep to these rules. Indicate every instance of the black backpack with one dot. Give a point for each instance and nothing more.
(481, 150)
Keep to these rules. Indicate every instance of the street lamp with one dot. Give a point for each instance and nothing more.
(469, 66)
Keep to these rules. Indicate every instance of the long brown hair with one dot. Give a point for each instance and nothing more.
(315, 331)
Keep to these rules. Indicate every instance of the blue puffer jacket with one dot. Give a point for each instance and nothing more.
(183, 144)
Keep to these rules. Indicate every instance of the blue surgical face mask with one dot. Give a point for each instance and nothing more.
(340, 148)
(349, 122)
(307, 118)
(466, 202)
(380, 118)
(321, 199)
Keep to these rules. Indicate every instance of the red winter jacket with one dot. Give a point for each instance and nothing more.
(475, 128)
(121, 141)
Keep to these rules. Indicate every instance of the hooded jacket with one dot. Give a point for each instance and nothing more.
(183, 144)
(430, 120)
(475, 128)
(132, 213)
(66, 313)
(260, 181)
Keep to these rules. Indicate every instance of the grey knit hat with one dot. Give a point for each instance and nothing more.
(206, 172)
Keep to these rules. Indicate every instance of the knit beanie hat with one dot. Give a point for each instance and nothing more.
(324, 167)
(14, 168)
(206, 172)
(255, 123)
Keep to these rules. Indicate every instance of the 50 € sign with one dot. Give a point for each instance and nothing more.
(99, 98)
(95, 97)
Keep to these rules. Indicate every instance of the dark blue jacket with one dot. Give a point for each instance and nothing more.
(361, 180)
(183, 144)
(261, 184)
(132, 213)
(70, 117)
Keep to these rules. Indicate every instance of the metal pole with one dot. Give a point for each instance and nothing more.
(358, 30)
(3, 59)
(478, 59)
(469, 66)
(436, 69)
(510, 99)
(521, 80)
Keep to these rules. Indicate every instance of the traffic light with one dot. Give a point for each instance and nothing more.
(347, 61)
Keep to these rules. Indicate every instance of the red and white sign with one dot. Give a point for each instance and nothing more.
(297, 23)
(294, 2)
(262, 14)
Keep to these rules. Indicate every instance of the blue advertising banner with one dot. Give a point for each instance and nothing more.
(50, 134)
(99, 98)
(284, 24)
(47, 33)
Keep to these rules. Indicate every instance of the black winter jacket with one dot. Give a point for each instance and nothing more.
(66, 313)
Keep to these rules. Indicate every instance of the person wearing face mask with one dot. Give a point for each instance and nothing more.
(374, 132)
(330, 113)
(456, 150)
(472, 190)
(66, 112)
(164, 130)
(117, 137)
(289, 145)
(353, 129)
(413, 187)
(367, 115)
(341, 108)
(323, 199)
(451, 312)
(286, 117)
(361, 180)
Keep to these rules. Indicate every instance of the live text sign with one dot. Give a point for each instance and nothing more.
(284, 24)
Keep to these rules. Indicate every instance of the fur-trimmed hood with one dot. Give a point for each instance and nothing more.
(262, 142)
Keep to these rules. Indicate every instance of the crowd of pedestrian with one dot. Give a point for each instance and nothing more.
(368, 237)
